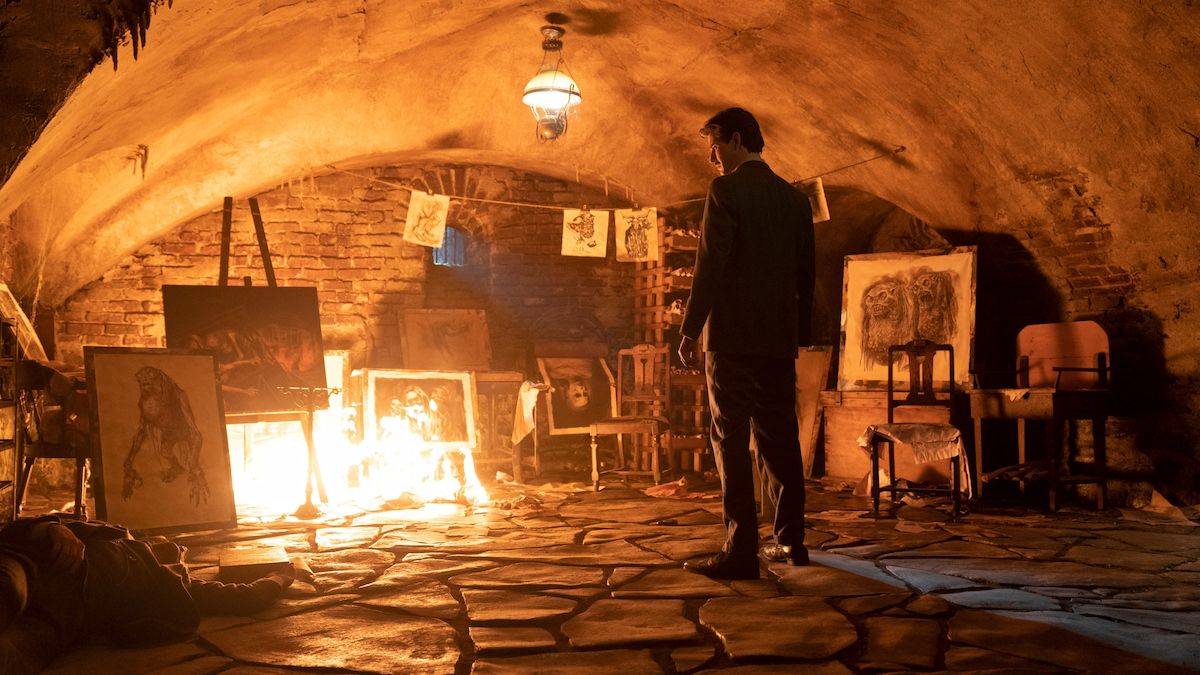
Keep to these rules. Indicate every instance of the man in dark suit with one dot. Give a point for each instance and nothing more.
(752, 296)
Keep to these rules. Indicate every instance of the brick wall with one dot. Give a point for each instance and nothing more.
(342, 233)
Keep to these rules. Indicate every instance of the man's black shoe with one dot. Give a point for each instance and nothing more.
(796, 555)
(721, 566)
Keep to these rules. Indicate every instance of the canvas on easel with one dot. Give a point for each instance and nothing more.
(445, 339)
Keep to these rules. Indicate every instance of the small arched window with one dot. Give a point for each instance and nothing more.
(453, 252)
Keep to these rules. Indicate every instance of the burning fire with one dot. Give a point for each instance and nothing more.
(400, 467)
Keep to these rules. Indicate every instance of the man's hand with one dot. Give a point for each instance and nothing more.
(687, 352)
(66, 551)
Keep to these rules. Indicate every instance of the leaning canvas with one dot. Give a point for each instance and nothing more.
(420, 408)
(159, 446)
(445, 339)
(582, 392)
(891, 298)
(264, 337)
(637, 235)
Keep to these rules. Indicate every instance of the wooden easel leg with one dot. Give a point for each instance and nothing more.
(595, 466)
(1052, 460)
(1100, 450)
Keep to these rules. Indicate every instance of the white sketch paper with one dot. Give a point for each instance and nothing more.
(585, 233)
(637, 235)
(426, 221)
(815, 190)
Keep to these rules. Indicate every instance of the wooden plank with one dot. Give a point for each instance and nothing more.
(846, 422)
(226, 229)
(263, 251)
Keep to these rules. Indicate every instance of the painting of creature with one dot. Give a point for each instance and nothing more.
(892, 298)
(445, 339)
(162, 459)
(167, 425)
(585, 233)
(420, 409)
(583, 392)
(264, 338)
(425, 223)
(637, 235)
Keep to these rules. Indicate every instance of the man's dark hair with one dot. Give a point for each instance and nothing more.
(735, 120)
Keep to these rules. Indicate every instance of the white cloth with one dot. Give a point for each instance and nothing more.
(1015, 394)
(930, 442)
(523, 419)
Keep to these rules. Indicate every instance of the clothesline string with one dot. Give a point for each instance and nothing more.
(561, 208)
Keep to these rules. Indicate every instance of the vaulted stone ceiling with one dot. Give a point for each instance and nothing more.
(993, 100)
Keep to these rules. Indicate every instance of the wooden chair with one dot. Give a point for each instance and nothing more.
(921, 392)
(644, 413)
(1062, 375)
(52, 423)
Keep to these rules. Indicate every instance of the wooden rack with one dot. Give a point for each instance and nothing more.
(654, 291)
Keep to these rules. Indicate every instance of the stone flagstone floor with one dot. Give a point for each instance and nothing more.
(565, 582)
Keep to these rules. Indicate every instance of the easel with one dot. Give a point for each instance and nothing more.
(304, 397)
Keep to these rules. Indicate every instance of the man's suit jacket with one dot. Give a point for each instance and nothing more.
(753, 285)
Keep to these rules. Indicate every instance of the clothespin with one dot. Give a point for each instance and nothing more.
(636, 207)
(586, 209)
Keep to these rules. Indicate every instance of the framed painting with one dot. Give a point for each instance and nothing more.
(158, 434)
(891, 298)
(264, 338)
(445, 339)
(583, 392)
(426, 407)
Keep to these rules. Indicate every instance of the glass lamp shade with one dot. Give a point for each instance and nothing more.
(551, 90)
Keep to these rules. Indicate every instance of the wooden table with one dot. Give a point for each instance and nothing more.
(1055, 406)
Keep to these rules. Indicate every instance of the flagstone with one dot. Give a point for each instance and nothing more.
(755, 588)
(1031, 573)
(621, 575)
(907, 642)
(424, 598)
(687, 658)
(488, 639)
(413, 568)
(793, 627)
(1157, 541)
(629, 622)
(351, 559)
(1148, 562)
(340, 580)
(645, 510)
(1183, 622)
(673, 583)
(1003, 598)
(611, 662)
(289, 606)
(345, 537)
(206, 665)
(1053, 644)
(292, 543)
(827, 668)
(582, 594)
(683, 549)
(897, 542)
(928, 582)
(537, 523)
(817, 580)
(955, 549)
(352, 638)
(485, 605)
(973, 658)
(610, 553)
(633, 531)
(1059, 592)
(531, 574)
(929, 605)
(871, 603)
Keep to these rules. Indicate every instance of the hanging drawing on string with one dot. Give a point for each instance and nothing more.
(891, 298)
(585, 233)
(637, 235)
(426, 221)
(815, 191)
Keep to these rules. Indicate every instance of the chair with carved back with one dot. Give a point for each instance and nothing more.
(930, 440)
(643, 406)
